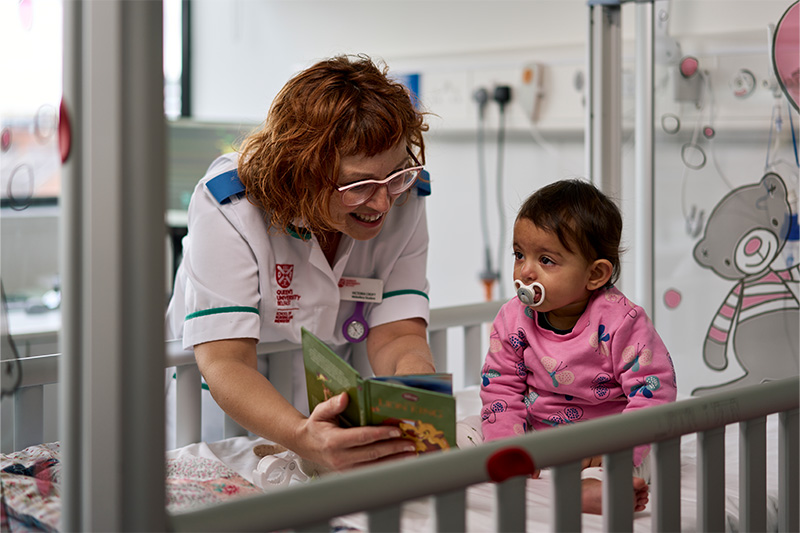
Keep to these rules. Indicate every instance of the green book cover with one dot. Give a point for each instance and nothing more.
(422, 405)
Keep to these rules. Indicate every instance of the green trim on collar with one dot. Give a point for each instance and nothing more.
(220, 310)
(298, 233)
(406, 291)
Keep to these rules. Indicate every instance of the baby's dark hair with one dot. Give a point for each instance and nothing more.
(581, 216)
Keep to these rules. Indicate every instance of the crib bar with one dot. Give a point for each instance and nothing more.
(438, 343)
(711, 476)
(510, 504)
(449, 511)
(188, 401)
(463, 315)
(665, 494)
(7, 426)
(322, 527)
(385, 519)
(788, 471)
(280, 374)
(753, 474)
(39, 369)
(22, 428)
(567, 497)
(617, 503)
(29, 417)
(231, 428)
(431, 474)
(473, 356)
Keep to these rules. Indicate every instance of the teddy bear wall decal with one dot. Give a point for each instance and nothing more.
(759, 320)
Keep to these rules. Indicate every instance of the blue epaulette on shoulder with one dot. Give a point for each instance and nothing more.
(224, 186)
(424, 184)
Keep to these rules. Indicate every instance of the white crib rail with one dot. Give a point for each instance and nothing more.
(472, 319)
(445, 476)
(22, 420)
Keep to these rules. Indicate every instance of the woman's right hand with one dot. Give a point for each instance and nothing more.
(320, 439)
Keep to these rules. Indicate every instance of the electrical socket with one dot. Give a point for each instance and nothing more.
(447, 95)
(529, 91)
(491, 79)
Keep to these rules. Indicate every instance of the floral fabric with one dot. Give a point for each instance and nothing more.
(30, 487)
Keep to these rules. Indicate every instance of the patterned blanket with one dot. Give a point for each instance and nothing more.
(30, 490)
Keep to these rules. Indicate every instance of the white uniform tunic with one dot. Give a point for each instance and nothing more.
(239, 280)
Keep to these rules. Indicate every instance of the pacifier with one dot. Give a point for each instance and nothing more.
(527, 293)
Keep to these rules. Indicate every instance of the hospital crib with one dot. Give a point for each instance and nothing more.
(375, 498)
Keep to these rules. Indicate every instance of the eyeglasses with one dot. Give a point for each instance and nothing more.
(397, 183)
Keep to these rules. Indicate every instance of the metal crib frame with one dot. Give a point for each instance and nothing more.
(113, 205)
(382, 490)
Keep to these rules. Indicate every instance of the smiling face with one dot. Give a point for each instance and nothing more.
(568, 277)
(365, 221)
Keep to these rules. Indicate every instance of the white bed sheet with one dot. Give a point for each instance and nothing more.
(237, 453)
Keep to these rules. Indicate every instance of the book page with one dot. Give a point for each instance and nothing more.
(425, 417)
(327, 375)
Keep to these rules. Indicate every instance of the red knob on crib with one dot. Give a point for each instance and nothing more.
(509, 462)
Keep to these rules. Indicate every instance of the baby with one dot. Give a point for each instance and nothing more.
(570, 346)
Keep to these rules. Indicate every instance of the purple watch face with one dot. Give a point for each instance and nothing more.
(355, 328)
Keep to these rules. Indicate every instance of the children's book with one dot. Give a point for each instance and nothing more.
(422, 405)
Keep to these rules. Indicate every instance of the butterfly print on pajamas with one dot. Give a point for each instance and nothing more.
(530, 397)
(487, 375)
(570, 415)
(489, 413)
(646, 387)
(554, 368)
(634, 356)
(599, 340)
(518, 340)
(600, 385)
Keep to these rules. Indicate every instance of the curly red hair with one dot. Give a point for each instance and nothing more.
(339, 107)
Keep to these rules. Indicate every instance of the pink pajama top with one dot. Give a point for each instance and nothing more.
(534, 378)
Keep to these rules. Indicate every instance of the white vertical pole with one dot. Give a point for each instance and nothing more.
(645, 170)
(566, 497)
(115, 281)
(617, 503)
(711, 476)
(607, 95)
(588, 132)
(789, 461)
(753, 474)
(70, 268)
(666, 485)
(143, 285)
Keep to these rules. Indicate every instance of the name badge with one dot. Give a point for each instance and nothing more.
(361, 290)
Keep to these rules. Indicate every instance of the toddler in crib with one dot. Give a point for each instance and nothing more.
(570, 346)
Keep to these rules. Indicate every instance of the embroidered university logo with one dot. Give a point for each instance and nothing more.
(283, 275)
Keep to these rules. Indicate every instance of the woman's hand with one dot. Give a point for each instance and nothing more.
(320, 439)
(400, 348)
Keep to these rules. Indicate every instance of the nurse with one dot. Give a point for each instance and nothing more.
(318, 221)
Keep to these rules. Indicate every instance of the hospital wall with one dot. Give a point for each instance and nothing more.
(249, 50)
(245, 50)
